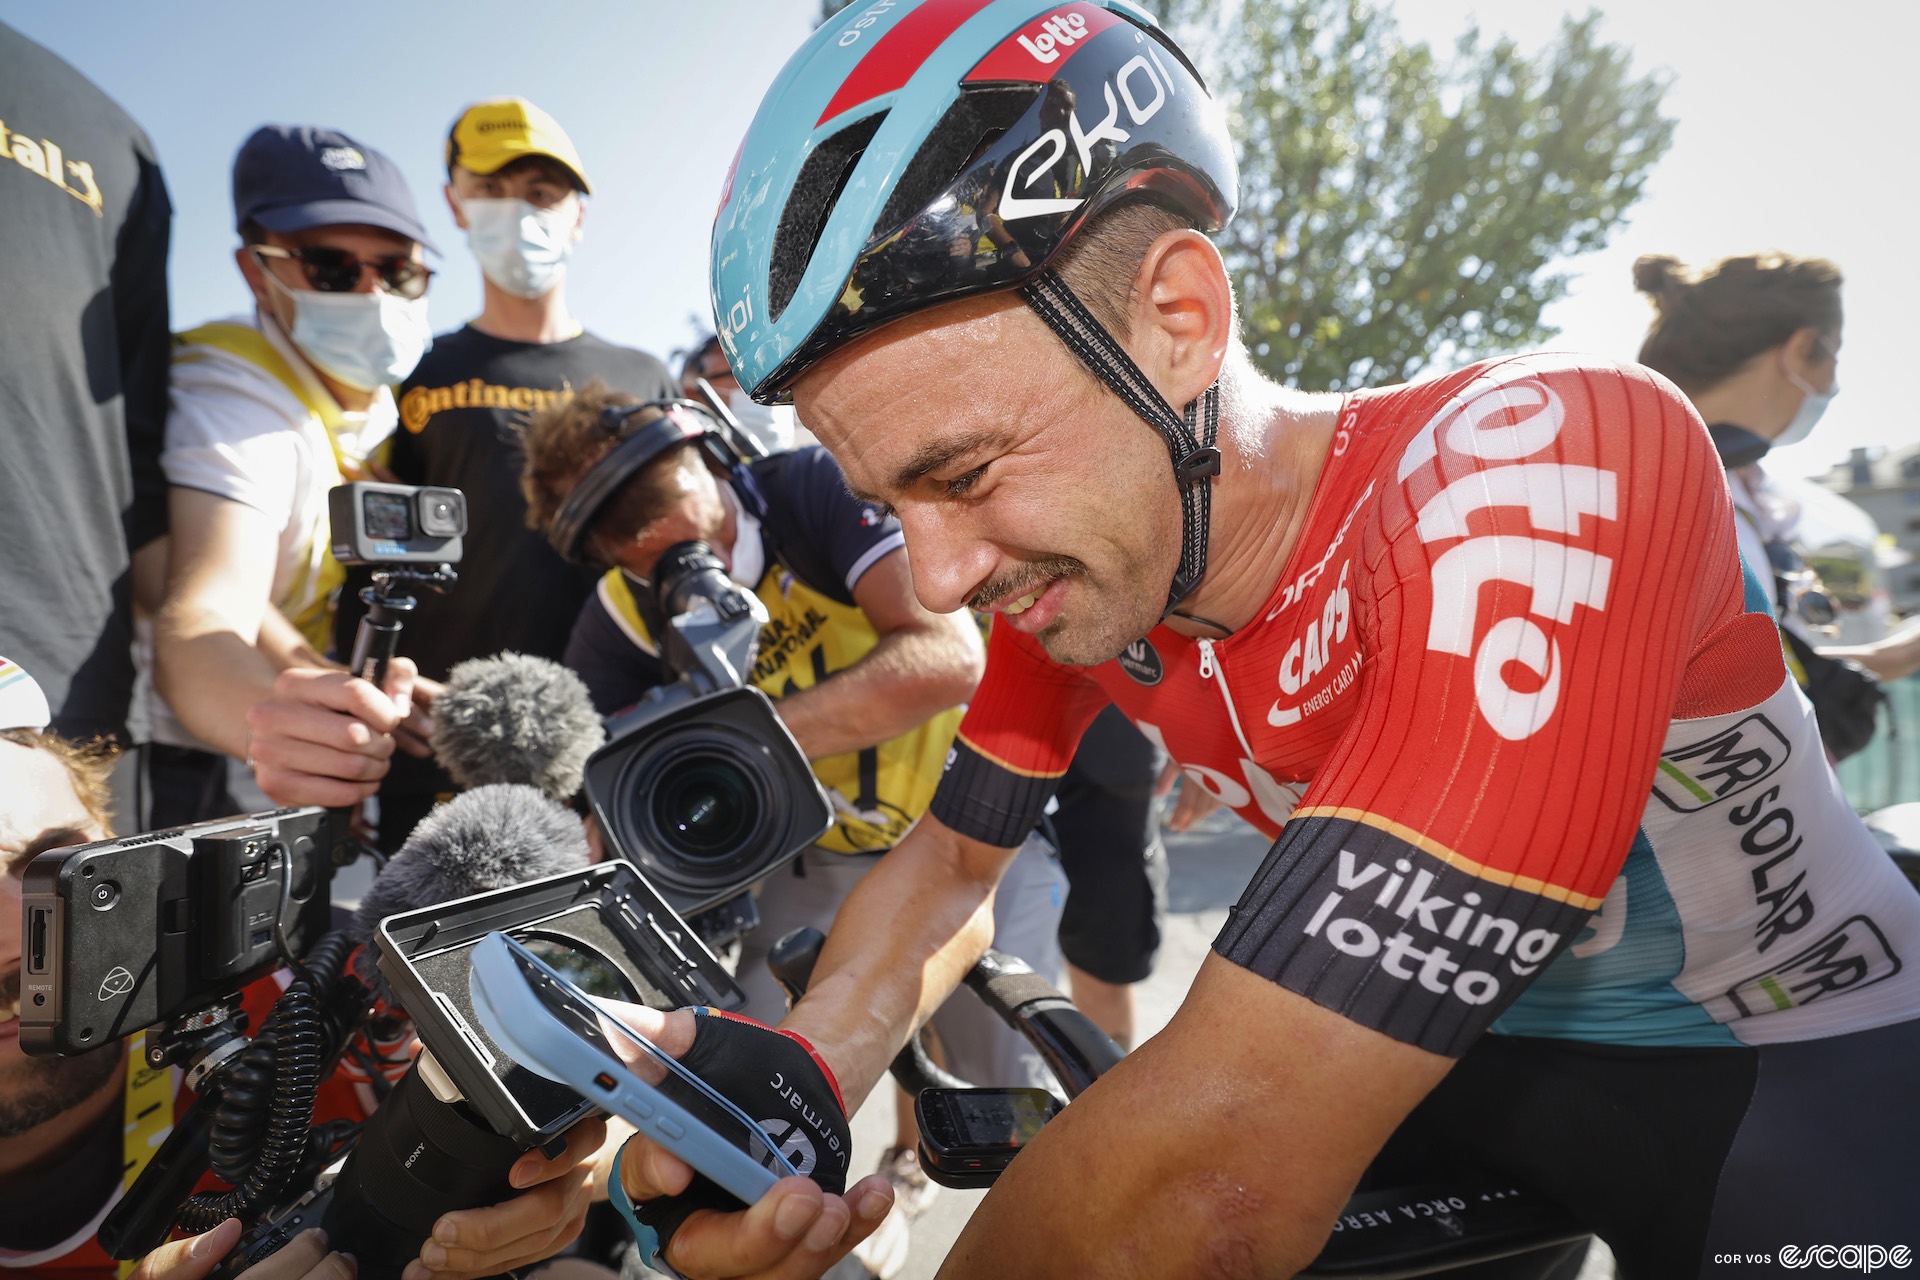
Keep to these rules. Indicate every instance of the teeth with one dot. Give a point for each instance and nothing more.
(1024, 603)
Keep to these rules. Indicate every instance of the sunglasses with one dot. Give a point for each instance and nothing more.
(337, 271)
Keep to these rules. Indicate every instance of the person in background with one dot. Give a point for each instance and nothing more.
(773, 427)
(269, 411)
(84, 227)
(1754, 341)
(516, 186)
(76, 1130)
(867, 680)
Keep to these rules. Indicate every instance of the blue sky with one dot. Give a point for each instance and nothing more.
(1794, 133)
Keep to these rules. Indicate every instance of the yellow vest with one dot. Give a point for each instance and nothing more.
(308, 601)
(877, 792)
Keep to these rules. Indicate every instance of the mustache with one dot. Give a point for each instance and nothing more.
(1027, 577)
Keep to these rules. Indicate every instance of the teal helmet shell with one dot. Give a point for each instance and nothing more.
(914, 154)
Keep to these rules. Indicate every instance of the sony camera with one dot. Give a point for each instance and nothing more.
(378, 524)
(450, 1131)
(121, 934)
(700, 784)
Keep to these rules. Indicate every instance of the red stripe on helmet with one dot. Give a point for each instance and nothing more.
(896, 55)
(1037, 51)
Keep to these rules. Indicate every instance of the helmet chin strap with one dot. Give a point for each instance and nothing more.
(1196, 460)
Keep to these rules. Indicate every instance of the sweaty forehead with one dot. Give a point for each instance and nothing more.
(920, 393)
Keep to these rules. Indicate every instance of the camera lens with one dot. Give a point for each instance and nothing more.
(699, 810)
(705, 806)
(443, 513)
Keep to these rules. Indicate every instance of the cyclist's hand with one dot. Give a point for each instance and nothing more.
(802, 1225)
(305, 1257)
(539, 1222)
(325, 737)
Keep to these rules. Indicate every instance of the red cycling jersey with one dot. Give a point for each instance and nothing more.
(1510, 581)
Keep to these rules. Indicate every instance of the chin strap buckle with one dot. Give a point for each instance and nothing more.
(1202, 464)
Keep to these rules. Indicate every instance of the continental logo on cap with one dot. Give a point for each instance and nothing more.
(418, 406)
(488, 126)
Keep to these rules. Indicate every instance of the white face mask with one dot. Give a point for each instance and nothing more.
(523, 249)
(364, 340)
(771, 425)
(1812, 404)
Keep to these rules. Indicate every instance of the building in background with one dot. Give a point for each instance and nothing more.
(1887, 488)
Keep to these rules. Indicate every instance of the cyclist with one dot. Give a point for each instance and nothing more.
(1482, 644)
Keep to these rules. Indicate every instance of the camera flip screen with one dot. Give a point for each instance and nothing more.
(571, 1007)
(389, 516)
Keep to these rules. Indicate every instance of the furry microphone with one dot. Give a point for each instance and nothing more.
(487, 838)
(516, 718)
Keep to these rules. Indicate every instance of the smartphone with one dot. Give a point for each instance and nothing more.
(968, 1136)
(551, 1027)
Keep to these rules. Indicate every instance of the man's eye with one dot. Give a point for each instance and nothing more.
(960, 485)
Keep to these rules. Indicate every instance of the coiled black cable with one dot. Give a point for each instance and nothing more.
(261, 1130)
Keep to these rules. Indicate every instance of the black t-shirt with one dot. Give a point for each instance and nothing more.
(84, 222)
(459, 411)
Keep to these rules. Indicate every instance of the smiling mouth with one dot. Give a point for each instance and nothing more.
(1025, 602)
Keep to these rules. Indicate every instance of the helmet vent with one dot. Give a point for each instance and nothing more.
(977, 117)
(815, 192)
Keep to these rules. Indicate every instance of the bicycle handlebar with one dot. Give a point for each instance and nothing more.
(1074, 1049)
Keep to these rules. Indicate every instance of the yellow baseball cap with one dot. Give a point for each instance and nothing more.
(491, 135)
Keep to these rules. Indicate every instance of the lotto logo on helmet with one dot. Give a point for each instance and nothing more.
(1062, 29)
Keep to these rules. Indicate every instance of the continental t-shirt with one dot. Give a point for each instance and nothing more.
(459, 414)
(84, 221)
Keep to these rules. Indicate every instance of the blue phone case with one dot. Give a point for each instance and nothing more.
(533, 1036)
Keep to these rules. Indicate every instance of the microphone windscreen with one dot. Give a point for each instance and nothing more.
(515, 718)
(487, 838)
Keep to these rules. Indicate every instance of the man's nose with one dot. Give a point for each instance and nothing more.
(950, 561)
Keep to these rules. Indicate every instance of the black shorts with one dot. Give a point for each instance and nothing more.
(1108, 834)
(1683, 1160)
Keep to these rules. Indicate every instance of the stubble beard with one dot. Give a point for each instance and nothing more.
(36, 1090)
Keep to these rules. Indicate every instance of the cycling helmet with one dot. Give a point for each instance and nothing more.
(910, 155)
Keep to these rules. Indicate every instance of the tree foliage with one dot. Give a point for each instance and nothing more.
(1400, 210)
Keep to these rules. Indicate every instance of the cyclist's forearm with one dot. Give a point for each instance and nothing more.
(902, 941)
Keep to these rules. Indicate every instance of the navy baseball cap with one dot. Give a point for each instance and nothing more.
(292, 177)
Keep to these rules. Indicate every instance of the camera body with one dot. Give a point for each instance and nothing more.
(374, 523)
(121, 934)
(454, 1125)
(700, 785)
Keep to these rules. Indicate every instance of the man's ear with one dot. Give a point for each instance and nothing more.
(1802, 351)
(255, 276)
(1183, 314)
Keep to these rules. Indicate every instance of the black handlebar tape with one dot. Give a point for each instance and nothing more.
(1074, 1049)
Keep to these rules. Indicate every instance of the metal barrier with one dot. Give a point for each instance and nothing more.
(1888, 770)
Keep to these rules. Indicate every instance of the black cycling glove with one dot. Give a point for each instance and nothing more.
(778, 1080)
